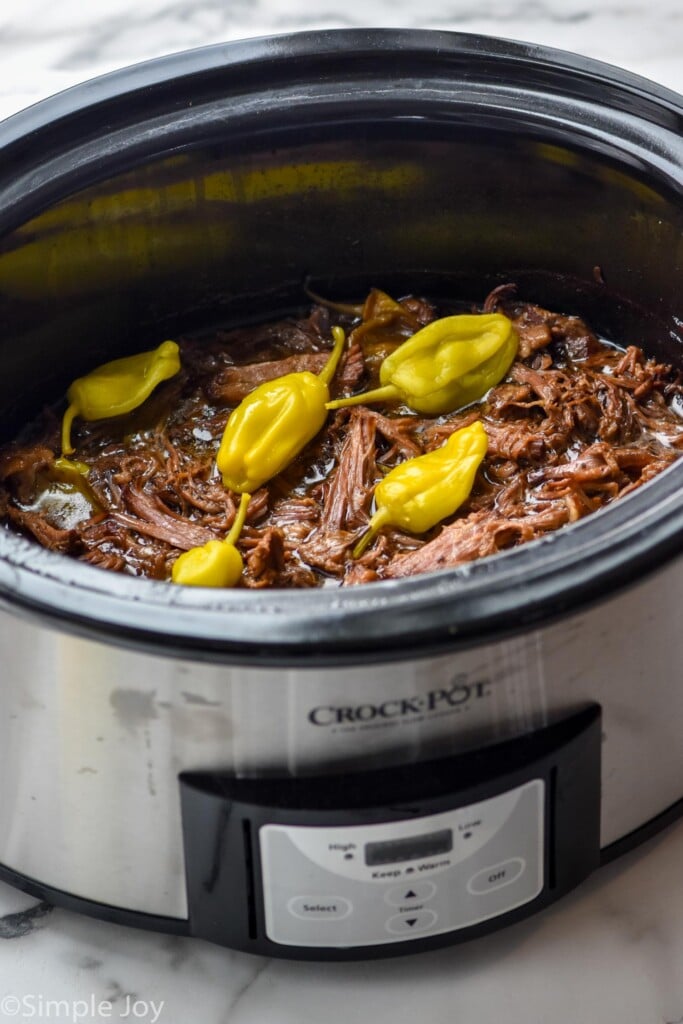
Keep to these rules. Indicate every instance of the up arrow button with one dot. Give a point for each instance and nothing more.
(418, 892)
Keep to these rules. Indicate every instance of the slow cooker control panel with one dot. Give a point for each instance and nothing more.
(360, 886)
(351, 865)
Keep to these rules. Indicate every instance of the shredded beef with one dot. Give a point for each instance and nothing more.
(266, 559)
(478, 535)
(576, 424)
(347, 494)
(152, 520)
(236, 382)
(21, 465)
(50, 536)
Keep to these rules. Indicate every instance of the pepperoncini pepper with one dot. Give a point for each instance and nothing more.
(217, 563)
(271, 425)
(74, 475)
(118, 387)
(71, 471)
(419, 493)
(446, 365)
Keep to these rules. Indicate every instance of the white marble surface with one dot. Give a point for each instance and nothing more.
(47, 46)
(611, 953)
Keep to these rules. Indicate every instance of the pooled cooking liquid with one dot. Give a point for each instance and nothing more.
(574, 425)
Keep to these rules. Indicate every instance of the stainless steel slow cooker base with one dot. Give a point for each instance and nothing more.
(206, 188)
(95, 736)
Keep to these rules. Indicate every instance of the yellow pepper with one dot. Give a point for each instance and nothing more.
(217, 563)
(73, 475)
(64, 495)
(271, 425)
(446, 365)
(71, 471)
(419, 493)
(118, 387)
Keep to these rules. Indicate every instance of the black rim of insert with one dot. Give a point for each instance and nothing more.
(54, 148)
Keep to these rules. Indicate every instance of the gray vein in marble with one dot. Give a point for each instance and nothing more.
(116, 993)
(240, 993)
(89, 963)
(128, 28)
(46, 47)
(14, 926)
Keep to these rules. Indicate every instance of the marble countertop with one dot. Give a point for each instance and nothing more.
(609, 953)
(45, 47)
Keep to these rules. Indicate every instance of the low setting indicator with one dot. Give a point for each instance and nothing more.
(391, 851)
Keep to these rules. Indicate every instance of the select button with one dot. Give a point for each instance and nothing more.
(319, 908)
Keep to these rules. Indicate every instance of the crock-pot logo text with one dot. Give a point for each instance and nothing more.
(445, 700)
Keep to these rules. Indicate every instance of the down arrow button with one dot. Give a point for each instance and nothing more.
(421, 921)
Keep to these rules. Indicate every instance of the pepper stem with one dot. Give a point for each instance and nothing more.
(385, 394)
(330, 368)
(339, 307)
(238, 521)
(380, 519)
(69, 415)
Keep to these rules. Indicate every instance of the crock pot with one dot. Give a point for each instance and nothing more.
(392, 767)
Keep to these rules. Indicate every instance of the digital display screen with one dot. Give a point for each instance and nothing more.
(413, 848)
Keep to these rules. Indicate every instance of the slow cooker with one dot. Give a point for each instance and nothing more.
(347, 772)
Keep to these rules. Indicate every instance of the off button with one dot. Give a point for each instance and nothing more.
(495, 877)
(315, 908)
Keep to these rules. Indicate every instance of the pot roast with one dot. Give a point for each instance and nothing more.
(576, 424)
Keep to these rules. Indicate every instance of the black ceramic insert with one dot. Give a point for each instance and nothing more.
(209, 186)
